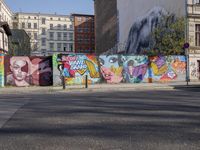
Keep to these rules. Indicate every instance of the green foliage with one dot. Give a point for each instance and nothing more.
(168, 37)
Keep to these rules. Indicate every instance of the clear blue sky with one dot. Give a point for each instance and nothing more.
(65, 7)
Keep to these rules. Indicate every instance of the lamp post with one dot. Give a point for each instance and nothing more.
(186, 48)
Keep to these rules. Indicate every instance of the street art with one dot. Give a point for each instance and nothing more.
(1, 70)
(111, 67)
(76, 67)
(194, 73)
(135, 68)
(147, 28)
(26, 71)
(168, 68)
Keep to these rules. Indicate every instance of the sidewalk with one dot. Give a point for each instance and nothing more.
(98, 87)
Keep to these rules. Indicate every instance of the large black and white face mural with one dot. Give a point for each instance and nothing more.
(139, 18)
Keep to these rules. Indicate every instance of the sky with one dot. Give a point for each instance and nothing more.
(65, 7)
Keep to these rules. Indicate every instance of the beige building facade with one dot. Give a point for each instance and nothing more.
(49, 33)
(5, 25)
(193, 34)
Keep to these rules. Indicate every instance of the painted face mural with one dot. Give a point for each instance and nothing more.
(1, 70)
(19, 71)
(135, 68)
(76, 67)
(111, 69)
(25, 71)
(41, 71)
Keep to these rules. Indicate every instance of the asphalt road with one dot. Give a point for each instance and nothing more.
(114, 120)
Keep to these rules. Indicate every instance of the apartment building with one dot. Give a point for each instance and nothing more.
(5, 25)
(193, 34)
(49, 33)
(84, 36)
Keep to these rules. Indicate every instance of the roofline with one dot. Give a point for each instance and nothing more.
(87, 15)
(7, 7)
(40, 14)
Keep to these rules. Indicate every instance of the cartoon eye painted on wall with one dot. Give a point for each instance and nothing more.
(113, 60)
(101, 61)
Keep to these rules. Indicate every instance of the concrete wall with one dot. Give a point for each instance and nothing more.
(106, 26)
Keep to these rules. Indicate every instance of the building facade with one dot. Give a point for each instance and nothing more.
(106, 25)
(84, 36)
(193, 34)
(5, 25)
(49, 33)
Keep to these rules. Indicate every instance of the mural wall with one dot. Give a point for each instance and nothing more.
(166, 69)
(1, 70)
(143, 18)
(26, 71)
(111, 68)
(135, 69)
(76, 67)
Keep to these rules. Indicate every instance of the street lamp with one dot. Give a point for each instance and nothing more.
(186, 48)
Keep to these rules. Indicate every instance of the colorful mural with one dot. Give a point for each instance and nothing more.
(26, 71)
(135, 69)
(76, 67)
(168, 68)
(111, 67)
(1, 70)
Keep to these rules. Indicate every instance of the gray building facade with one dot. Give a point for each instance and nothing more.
(106, 26)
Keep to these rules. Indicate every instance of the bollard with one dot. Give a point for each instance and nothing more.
(63, 82)
(86, 81)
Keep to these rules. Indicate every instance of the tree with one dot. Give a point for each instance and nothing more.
(168, 37)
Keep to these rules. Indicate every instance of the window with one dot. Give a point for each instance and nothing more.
(197, 34)
(65, 27)
(70, 36)
(51, 35)
(51, 46)
(43, 20)
(35, 17)
(35, 25)
(59, 36)
(59, 46)
(51, 26)
(23, 25)
(35, 36)
(79, 19)
(65, 47)
(51, 18)
(29, 25)
(59, 26)
(43, 31)
(29, 17)
(71, 47)
(43, 41)
(29, 34)
(64, 36)
(196, 1)
(70, 26)
(59, 19)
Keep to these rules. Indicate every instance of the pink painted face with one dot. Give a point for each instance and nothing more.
(110, 76)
